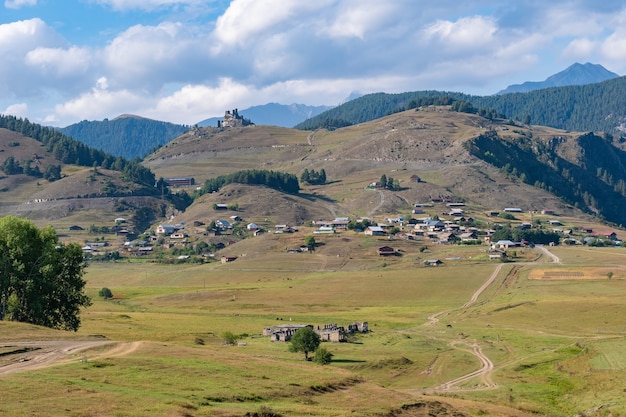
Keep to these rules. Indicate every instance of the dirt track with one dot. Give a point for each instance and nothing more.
(28, 356)
(484, 372)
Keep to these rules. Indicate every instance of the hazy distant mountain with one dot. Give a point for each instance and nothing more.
(576, 74)
(127, 135)
(274, 114)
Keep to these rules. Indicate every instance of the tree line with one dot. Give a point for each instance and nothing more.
(71, 151)
(280, 181)
(592, 184)
(591, 107)
(128, 137)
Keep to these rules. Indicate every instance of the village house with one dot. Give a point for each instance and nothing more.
(447, 238)
(374, 231)
(227, 259)
(469, 236)
(386, 251)
(339, 223)
(606, 235)
(165, 229)
(505, 244)
(324, 230)
(223, 224)
(284, 228)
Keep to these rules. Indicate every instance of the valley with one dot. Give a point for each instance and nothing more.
(464, 318)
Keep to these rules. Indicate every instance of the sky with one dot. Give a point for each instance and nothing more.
(183, 61)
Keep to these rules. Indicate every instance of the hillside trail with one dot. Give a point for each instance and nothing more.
(379, 205)
(29, 356)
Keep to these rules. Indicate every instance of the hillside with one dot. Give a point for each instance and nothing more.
(575, 74)
(432, 143)
(51, 178)
(127, 136)
(592, 107)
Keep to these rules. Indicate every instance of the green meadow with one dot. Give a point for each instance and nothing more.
(556, 345)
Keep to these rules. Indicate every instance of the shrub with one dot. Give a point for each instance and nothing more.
(229, 338)
(105, 293)
(322, 356)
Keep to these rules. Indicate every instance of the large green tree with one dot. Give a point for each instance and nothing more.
(41, 279)
(305, 340)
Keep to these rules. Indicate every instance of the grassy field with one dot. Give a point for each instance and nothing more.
(556, 345)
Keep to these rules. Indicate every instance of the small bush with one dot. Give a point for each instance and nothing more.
(105, 293)
(229, 338)
(322, 356)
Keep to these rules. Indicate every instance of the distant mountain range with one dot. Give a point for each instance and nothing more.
(576, 101)
(582, 108)
(575, 74)
(274, 114)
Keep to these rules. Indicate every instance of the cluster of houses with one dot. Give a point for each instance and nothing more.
(327, 332)
(455, 227)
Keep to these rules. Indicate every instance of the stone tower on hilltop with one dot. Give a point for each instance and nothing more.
(233, 119)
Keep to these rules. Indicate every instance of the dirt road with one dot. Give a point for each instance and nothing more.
(484, 372)
(28, 356)
(555, 259)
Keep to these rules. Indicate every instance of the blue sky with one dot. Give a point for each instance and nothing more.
(186, 60)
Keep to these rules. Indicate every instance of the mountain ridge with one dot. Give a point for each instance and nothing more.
(575, 74)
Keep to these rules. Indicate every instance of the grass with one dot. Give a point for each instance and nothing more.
(556, 345)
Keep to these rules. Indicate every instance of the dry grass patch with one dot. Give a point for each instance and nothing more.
(583, 273)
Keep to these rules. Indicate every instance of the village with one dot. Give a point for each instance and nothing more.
(437, 222)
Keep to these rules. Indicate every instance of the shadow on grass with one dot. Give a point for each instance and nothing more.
(314, 197)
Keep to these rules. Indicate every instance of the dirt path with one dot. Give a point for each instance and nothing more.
(484, 372)
(434, 318)
(380, 203)
(555, 259)
(28, 356)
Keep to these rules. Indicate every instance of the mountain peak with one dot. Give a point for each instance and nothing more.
(575, 74)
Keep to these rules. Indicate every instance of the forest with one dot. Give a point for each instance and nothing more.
(591, 107)
(128, 137)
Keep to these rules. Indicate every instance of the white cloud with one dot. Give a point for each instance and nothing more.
(62, 62)
(580, 49)
(466, 34)
(191, 66)
(16, 4)
(248, 21)
(18, 109)
(146, 4)
(100, 103)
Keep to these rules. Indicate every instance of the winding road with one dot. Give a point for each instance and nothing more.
(28, 356)
(484, 372)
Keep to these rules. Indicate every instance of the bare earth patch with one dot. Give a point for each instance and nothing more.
(552, 274)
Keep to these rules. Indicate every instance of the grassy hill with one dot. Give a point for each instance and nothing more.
(112, 188)
(431, 143)
(583, 108)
